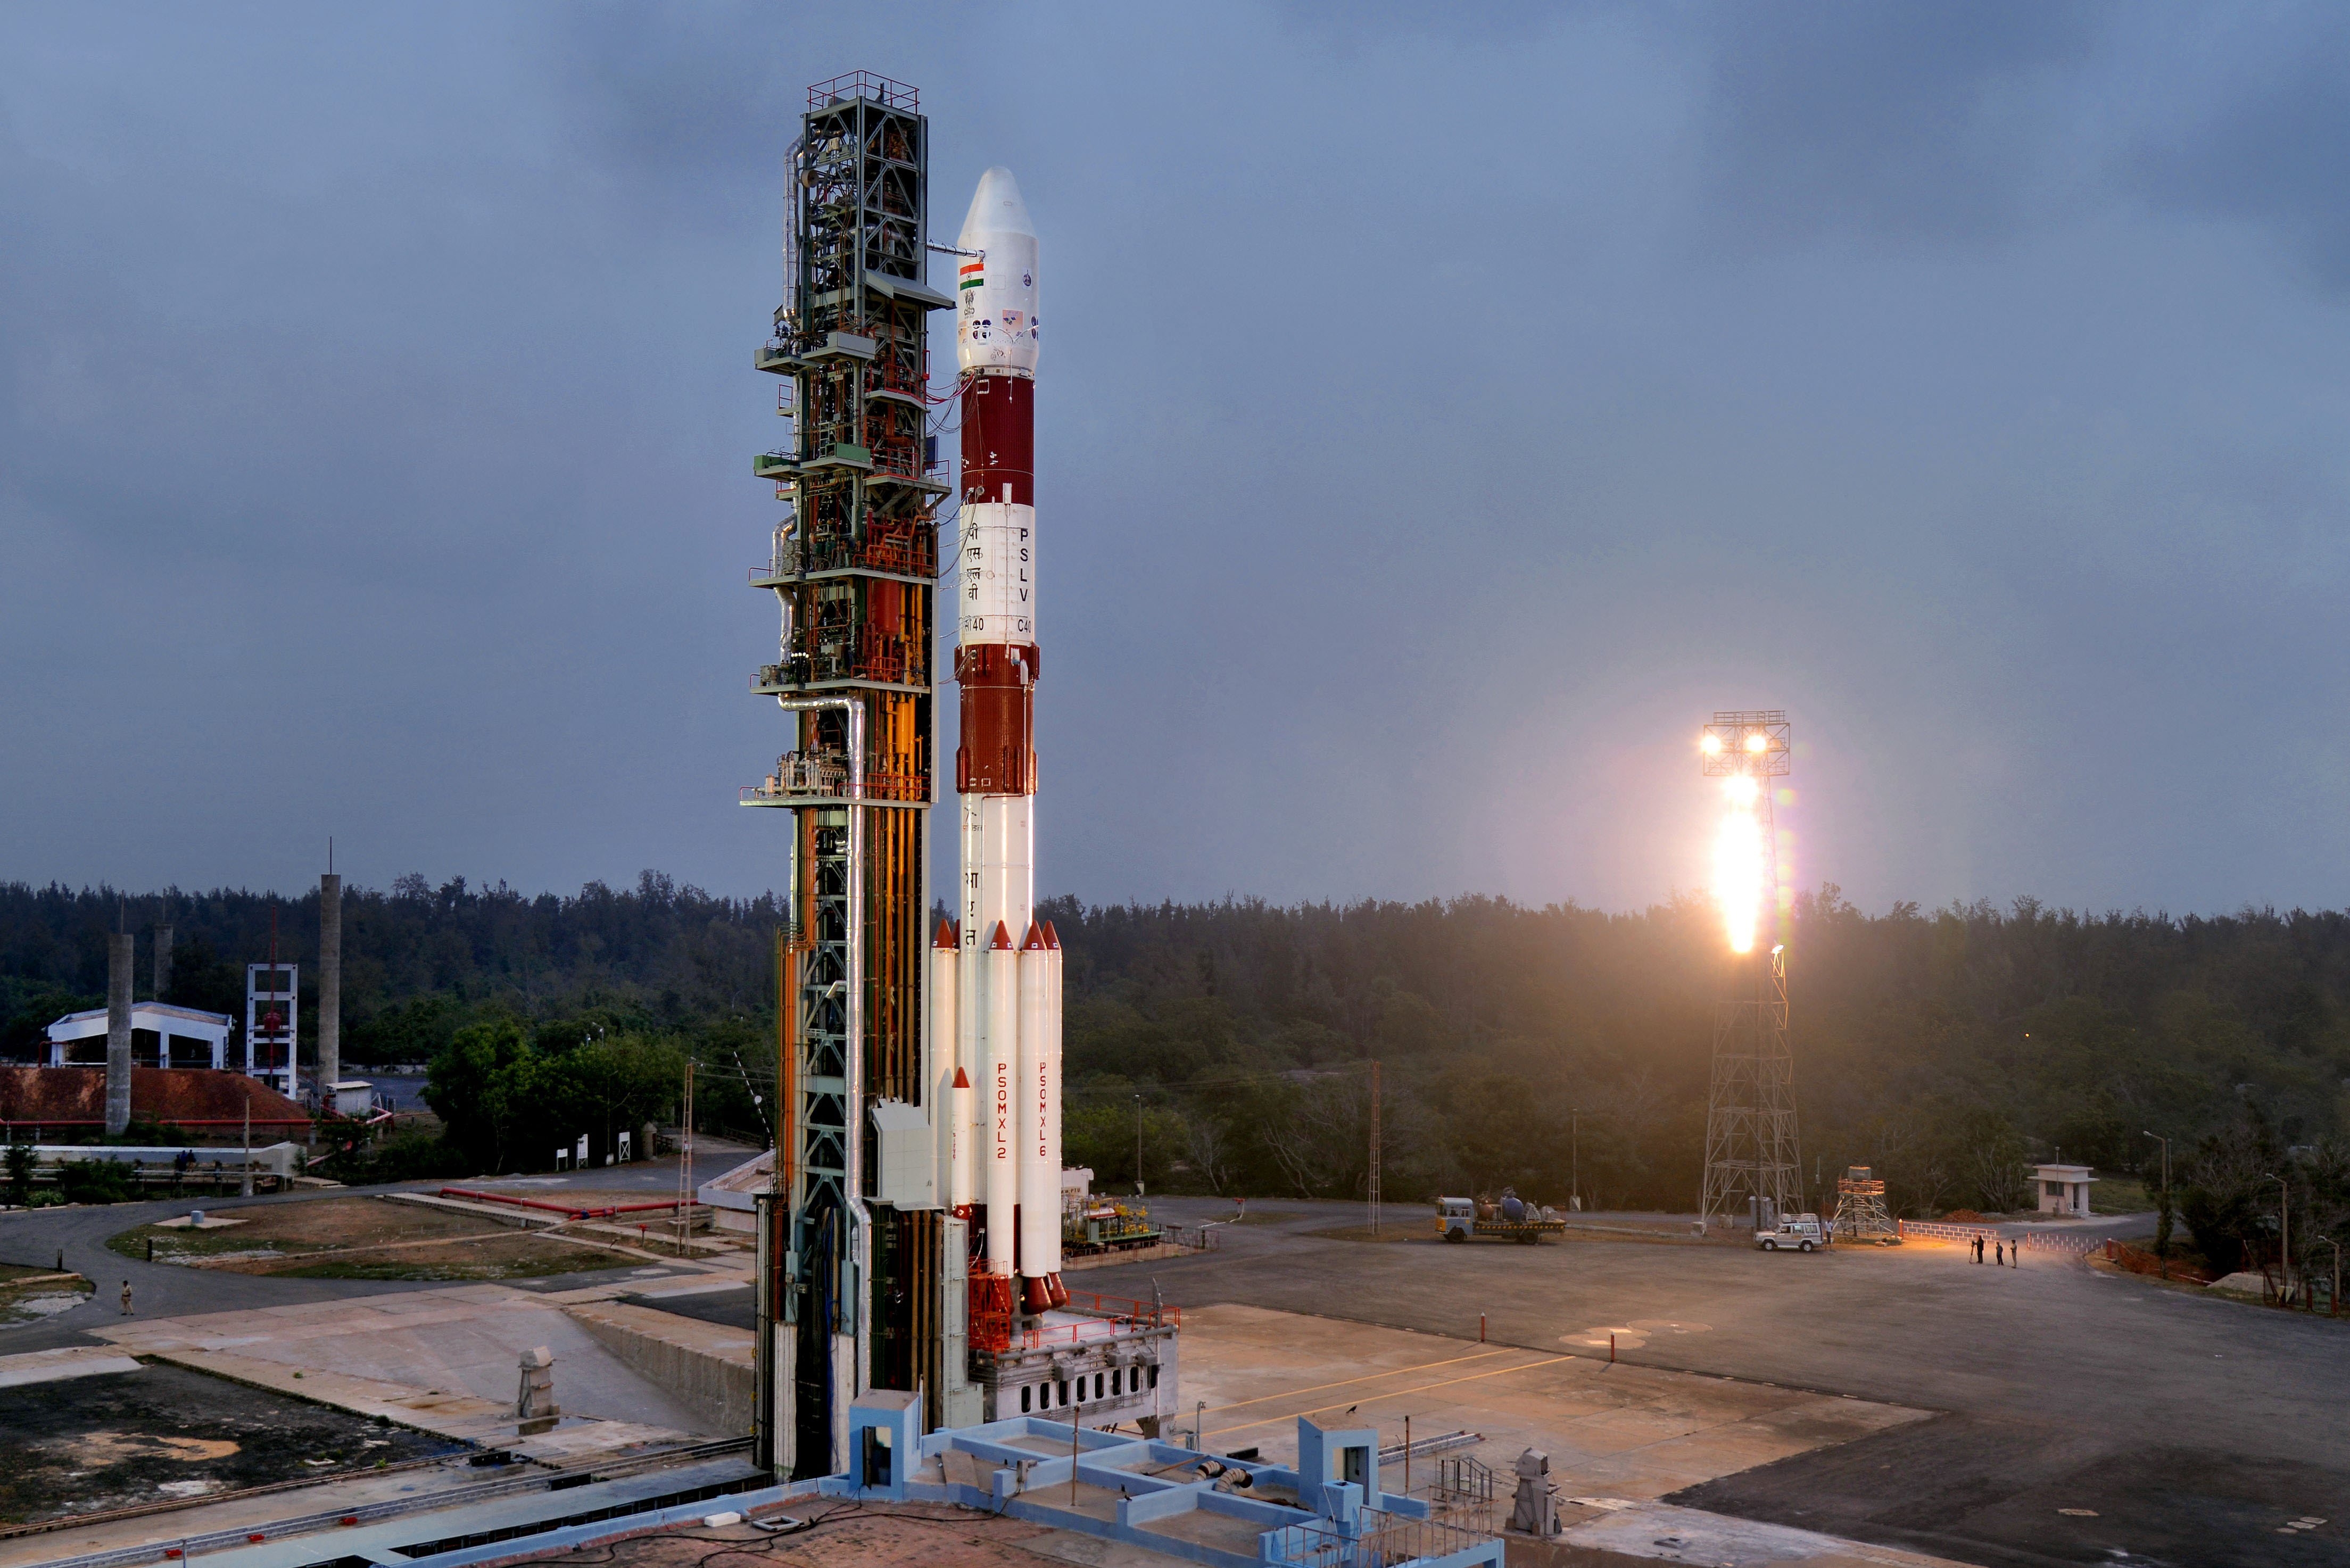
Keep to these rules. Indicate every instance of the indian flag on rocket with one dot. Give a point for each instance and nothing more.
(971, 274)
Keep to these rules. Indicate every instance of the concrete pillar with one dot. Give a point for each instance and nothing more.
(163, 963)
(330, 983)
(119, 958)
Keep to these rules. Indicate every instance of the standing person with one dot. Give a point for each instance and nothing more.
(126, 1298)
(1999, 1254)
(2015, 1254)
(1978, 1247)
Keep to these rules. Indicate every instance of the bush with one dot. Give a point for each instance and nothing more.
(507, 1102)
(20, 1173)
(95, 1181)
(409, 1157)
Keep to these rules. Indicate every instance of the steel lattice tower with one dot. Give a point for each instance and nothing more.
(1751, 1150)
(848, 1285)
(1860, 1211)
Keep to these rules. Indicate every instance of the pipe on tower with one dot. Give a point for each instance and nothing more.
(853, 1048)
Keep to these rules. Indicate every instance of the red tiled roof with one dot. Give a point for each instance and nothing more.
(182, 1095)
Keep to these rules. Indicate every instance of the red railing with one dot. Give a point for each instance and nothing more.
(162, 1122)
(574, 1211)
(991, 1317)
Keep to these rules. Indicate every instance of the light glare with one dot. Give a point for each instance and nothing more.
(1737, 851)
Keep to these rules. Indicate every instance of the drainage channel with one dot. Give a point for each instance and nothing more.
(180, 1549)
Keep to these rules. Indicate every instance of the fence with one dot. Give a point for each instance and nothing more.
(1384, 1541)
(1199, 1238)
(2058, 1241)
(1465, 1492)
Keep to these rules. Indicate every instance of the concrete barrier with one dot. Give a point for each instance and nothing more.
(708, 1365)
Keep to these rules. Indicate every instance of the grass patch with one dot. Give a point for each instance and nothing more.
(365, 1239)
(30, 1304)
(2121, 1195)
(546, 1258)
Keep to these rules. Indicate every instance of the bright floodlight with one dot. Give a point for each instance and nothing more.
(1742, 748)
(1746, 742)
(1738, 864)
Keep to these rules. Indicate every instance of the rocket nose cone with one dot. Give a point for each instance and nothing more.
(995, 209)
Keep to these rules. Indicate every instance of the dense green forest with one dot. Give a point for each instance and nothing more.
(1554, 1049)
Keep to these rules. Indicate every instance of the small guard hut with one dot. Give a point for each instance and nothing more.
(2063, 1190)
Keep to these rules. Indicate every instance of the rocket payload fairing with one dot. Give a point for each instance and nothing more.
(998, 968)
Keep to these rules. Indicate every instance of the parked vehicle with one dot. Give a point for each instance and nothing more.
(1459, 1219)
(1803, 1232)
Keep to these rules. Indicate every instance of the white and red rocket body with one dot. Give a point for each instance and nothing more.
(995, 971)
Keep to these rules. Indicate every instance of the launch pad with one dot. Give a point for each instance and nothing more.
(1106, 1359)
(910, 1240)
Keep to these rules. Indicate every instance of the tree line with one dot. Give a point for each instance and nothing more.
(1228, 1047)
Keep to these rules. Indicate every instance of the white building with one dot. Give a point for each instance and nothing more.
(162, 1035)
(2063, 1190)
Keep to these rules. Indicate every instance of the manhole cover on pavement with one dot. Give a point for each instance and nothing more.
(1623, 1334)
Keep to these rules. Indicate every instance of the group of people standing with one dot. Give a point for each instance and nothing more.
(2001, 1252)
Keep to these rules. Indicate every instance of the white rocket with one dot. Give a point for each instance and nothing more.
(996, 971)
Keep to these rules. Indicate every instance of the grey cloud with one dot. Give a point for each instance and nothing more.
(383, 387)
(1913, 121)
(2271, 147)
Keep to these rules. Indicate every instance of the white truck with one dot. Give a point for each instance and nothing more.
(1803, 1232)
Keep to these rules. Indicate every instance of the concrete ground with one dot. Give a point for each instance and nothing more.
(2078, 1417)
(2181, 1430)
(1619, 1432)
(459, 1342)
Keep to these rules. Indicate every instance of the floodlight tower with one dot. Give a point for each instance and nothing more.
(1751, 1146)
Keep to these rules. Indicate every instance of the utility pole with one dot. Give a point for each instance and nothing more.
(1374, 1178)
(685, 1166)
(2284, 1239)
(1574, 1156)
(2162, 1230)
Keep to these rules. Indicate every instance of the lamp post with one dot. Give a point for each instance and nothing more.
(1574, 1169)
(2162, 1229)
(2285, 1238)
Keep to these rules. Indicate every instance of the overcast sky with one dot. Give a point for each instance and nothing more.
(1442, 409)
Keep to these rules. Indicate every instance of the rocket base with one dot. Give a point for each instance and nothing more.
(1106, 1370)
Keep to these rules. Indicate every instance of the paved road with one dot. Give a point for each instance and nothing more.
(2193, 1428)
